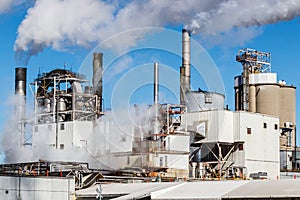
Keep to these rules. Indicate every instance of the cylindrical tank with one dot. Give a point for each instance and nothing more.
(200, 100)
(287, 105)
(252, 98)
(288, 113)
(47, 105)
(267, 99)
(61, 105)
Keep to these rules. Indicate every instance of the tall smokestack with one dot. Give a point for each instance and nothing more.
(97, 75)
(156, 112)
(20, 91)
(185, 69)
(20, 106)
(155, 83)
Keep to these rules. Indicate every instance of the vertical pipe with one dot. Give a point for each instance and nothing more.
(155, 83)
(20, 91)
(97, 76)
(252, 98)
(156, 113)
(185, 70)
(20, 107)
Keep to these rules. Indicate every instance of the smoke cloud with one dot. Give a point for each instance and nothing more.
(6, 5)
(62, 24)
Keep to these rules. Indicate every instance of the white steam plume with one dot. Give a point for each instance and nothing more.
(7, 6)
(239, 13)
(61, 24)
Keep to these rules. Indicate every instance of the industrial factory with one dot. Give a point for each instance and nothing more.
(64, 145)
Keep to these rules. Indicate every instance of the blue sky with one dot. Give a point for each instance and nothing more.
(281, 39)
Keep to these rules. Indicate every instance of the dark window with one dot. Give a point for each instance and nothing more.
(208, 98)
(6, 191)
(62, 126)
(248, 130)
(241, 147)
(61, 146)
(265, 125)
(276, 126)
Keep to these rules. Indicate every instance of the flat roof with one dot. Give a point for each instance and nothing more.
(254, 189)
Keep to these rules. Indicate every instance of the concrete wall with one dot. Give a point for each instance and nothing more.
(36, 188)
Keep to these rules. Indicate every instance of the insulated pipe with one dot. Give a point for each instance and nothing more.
(20, 91)
(97, 75)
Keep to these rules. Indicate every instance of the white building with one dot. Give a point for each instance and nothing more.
(240, 142)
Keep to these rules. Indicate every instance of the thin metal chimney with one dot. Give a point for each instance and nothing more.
(185, 69)
(97, 75)
(20, 91)
(20, 106)
(156, 106)
(155, 83)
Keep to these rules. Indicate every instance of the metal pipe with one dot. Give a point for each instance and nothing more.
(97, 76)
(155, 83)
(20, 91)
(186, 55)
(156, 111)
(185, 69)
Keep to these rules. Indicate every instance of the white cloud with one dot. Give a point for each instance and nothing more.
(7, 5)
(61, 24)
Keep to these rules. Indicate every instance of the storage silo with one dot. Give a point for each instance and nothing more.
(267, 99)
(203, 100)
(287, 117)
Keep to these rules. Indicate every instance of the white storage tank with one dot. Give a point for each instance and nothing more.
(202, 100)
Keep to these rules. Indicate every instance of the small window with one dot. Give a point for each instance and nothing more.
(248, 130)
(6, 192)
(265, 125)
(276, 126)
(241, 147)
(62, 126)
(161, 161)
(61, 146)
(208, 98)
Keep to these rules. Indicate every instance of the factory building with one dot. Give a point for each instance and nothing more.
(233, 144)
(257, 90)
(197, 139)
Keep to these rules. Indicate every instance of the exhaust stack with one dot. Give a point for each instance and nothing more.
(20, 92)
(20, 106)
(185, 69)
(156, 107)
(97, 76)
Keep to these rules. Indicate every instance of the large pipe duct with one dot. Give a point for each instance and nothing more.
(185, 69)
(97, 75)
(20, 91)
